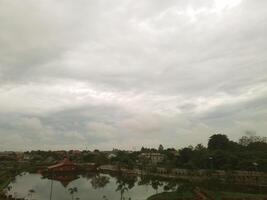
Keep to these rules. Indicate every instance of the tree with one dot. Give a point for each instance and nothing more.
(186, 154)
(218, 142)
(200, 148)
(245, 140)
(258, 146)
(161, 148)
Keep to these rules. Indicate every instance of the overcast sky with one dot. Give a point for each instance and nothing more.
(125, 73)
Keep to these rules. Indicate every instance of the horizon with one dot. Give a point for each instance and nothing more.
(126, 74)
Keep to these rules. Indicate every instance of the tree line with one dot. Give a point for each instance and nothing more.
(221, 153)
(249, 153)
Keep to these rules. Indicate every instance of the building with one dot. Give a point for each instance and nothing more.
(153, 158)
(64, 166)
(8, 155)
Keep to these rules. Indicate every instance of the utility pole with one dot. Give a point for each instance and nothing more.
(211, 163)
(257, 177)
(51, 189)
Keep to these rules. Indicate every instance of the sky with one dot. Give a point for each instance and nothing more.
(102, 74)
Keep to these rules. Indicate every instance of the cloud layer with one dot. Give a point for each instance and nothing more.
(125, 74)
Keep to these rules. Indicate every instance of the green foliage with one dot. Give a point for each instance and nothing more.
(246, 140)
(125, 159)
(171, 196)
(97, 158)
(218, 141)
(161, 148)
(225, 154)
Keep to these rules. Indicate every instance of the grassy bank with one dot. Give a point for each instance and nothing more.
(5, 179)
(171, 195)
(233, 195)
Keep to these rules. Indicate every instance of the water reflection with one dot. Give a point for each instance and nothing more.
(63, 178)
(78, 187)
(95, 186)
(125, 183)
(99, 181)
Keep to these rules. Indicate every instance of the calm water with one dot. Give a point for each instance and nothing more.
(93, 187)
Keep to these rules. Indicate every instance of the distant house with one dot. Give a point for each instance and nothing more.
(8, 155)
(64, 166)
(61, 153)
(153, 158)
(27, 157)
(110, 156)
(50, 160)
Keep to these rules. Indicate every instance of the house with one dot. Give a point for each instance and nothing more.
(110, 156)
(8, 155)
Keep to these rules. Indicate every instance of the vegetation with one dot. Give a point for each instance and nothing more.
(235, 195)
(172, 195)
(250, 153)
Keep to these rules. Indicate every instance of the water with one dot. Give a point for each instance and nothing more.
(91, 186)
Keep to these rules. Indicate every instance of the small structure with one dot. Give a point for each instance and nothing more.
(154, 158)
(111, 155)
(64, 166)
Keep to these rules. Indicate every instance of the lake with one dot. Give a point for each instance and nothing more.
(89, 186)
(92, 186)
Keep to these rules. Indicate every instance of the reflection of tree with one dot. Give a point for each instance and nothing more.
(149, 180)
(88, 176)
(125, 182)
(72, 191)
(30, 193)
(144, 180)
(105, 197)
(99, 181)
(8, 188)
(172, 185)
(155, 185)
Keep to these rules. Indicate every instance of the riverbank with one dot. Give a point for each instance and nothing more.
(172, 196)
(217, 196)
(246, 178)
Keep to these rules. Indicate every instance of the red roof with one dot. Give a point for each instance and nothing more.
(65, 162)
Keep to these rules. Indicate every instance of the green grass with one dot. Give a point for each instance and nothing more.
(4, 184)
(171, 195)
(5, 179)
(219, 195)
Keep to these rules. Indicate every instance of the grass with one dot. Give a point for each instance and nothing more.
(220, 195)
(171, 195)
(5, 179)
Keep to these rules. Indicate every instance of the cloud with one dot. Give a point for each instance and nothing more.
(103, 74)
